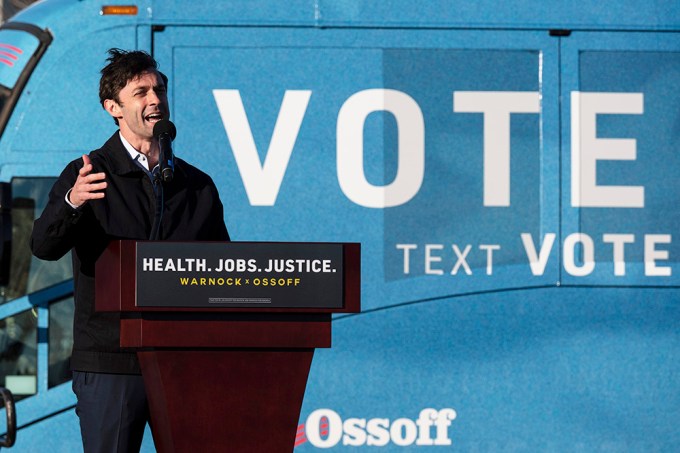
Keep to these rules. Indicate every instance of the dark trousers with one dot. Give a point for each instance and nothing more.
(113, 411)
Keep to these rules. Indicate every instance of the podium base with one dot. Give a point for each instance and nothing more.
(236, 400)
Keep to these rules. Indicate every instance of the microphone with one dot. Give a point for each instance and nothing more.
(164, 131)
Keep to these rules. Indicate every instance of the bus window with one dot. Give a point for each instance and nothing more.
(16, 48)
(21, 46)
(18, 353)
(27, 273)
(60, 341)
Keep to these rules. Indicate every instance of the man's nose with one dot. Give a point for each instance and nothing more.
(153, 98)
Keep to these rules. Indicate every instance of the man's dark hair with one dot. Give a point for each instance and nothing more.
(123, 66)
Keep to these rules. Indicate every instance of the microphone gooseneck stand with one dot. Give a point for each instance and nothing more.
(158, 215)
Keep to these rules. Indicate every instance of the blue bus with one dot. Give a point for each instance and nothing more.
(510, 169)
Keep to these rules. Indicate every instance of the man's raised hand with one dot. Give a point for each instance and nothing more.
(88, 186)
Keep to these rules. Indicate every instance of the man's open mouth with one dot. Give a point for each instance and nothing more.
(154, 117)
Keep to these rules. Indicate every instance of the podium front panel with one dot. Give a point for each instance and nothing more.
(147, 276)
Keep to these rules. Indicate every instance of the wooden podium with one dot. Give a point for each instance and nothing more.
(225, 333)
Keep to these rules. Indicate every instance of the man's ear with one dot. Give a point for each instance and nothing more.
(113, 108)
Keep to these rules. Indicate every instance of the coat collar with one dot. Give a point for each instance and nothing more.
(120, 162)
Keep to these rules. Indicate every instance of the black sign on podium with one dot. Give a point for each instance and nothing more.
(278, 275)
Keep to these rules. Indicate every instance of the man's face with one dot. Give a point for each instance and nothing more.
(143, 102)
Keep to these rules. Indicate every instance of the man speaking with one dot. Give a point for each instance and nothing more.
(118, 192)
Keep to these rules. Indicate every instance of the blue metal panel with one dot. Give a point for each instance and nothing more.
(83, 16)
(487, 14)
(70, 18)
(43, 349)
(648, 64)
(254, 12)
(561, 369)
(427, 66)
(517, 14)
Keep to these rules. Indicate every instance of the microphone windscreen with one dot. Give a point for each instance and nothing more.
(164, 127)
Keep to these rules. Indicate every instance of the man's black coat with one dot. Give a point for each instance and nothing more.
(192, 211)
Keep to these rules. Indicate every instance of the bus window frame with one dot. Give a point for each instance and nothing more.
(45, 39)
